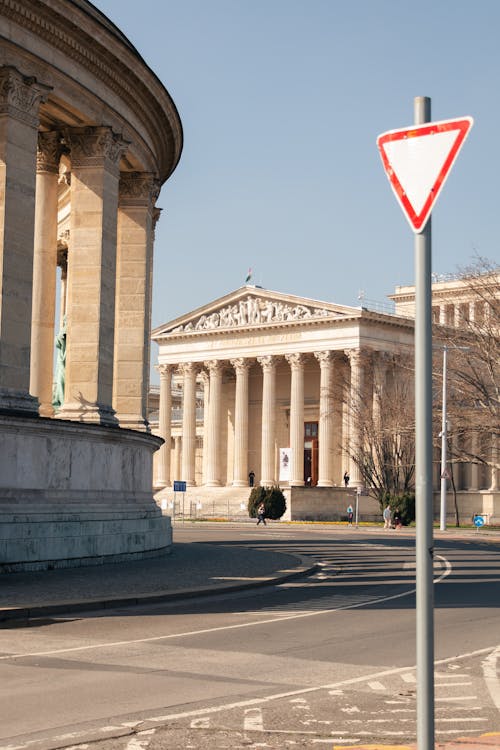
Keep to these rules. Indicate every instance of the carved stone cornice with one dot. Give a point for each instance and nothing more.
(91, 146)
(138, 189)
(49, 152)
(253, 311)
(21, 96)
(122, 72)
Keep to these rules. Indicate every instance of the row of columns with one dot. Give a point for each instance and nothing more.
(109, 280)
(212, 426)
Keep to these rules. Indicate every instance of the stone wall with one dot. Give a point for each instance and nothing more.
(74, 494)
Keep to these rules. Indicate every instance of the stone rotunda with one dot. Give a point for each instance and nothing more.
(88, 134)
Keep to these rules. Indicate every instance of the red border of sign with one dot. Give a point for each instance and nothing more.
(462, 125)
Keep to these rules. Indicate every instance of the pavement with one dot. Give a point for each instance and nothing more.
(191, 570)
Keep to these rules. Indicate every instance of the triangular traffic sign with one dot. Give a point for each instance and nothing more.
(417, 161)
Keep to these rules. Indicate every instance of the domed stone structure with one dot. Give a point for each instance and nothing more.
(88, 134)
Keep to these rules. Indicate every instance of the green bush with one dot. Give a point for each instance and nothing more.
(273, 499)
(406, 506)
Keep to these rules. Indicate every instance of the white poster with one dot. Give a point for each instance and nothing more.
(285, 461)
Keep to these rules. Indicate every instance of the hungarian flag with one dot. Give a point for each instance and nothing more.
(249, 276)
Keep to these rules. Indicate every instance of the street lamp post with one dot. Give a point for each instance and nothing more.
(444, 436)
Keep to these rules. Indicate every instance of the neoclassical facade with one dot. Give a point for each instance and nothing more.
(88, 134)
(279, 375)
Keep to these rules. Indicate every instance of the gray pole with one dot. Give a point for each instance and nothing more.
(423, 465)
(444, 436)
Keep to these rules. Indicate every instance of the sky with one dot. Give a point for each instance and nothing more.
(281, 103)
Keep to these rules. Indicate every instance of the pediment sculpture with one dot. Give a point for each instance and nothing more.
(252, 311)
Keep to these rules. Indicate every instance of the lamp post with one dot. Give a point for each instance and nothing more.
(444, 440)
(444, 436)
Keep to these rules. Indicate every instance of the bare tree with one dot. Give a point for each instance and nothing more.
(473, 380)
(383, 414)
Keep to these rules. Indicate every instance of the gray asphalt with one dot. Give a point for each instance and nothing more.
(190, 570)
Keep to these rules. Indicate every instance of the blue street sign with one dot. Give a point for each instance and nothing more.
(179, 486)
(478, 521)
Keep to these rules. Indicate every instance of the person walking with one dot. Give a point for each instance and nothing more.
(387, 517)
(398, 521)
(261, 514)
(350, 514)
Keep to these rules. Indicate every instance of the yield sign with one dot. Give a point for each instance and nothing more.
(417, 161)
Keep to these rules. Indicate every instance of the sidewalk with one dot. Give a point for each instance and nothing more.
(191, 569)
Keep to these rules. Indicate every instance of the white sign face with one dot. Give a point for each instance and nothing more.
(285, 461)
(417, 161)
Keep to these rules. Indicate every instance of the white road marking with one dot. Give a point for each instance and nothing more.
(204, 631)
(409, 677)
(376, 686)
(491, 676)
(304, 691)
(451, 684)
(455, 699)
(203, 723)
(141, 740)
(253, 720)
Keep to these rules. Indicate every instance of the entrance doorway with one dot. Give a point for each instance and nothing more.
(311, 453)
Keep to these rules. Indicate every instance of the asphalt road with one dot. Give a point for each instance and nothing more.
(327, 660)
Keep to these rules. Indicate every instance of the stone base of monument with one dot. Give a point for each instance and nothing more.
(74, 494)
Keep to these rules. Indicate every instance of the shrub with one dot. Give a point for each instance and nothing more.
(406, 505)
(273, 499)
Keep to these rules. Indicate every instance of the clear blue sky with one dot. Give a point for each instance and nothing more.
(281, 103)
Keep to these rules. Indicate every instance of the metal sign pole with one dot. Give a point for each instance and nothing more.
(444, 439)
(423, 463)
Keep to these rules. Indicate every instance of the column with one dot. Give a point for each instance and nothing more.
(95, 156)
(495, 462)
(205, 381)
(474, 467)
(177, 457)
(213, 441)
(268, 461)
(137, 196)
(380, 363)
(325, 436)
(355, 414)
(188, 371)
(45, 270)
(20, 99)
(240, 467)
(296, 362)
(165, 425)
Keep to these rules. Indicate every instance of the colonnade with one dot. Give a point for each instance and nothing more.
(329, 412)
(107, 294)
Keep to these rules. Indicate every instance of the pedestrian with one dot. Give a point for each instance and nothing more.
(261, 514)
(346, 478)
(350, 514)
(398, 522)
(387, 517)
(251, 478)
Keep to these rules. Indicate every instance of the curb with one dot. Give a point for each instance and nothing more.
(26, 613)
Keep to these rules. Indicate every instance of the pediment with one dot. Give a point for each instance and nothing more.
(251, 306)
